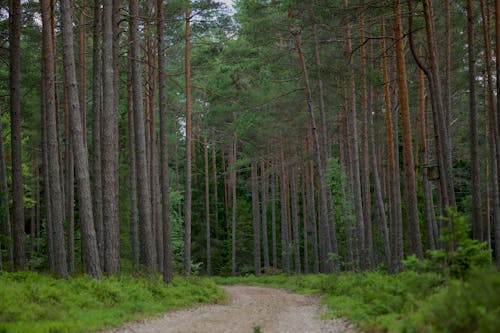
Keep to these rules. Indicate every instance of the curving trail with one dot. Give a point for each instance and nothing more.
(249, 309)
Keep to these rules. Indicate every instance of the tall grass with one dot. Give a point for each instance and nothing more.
(32, 302)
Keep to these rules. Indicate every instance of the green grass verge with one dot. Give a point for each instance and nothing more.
(407, 302)
(32, 302)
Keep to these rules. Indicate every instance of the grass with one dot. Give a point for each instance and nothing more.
(407, 302)
(32, 302)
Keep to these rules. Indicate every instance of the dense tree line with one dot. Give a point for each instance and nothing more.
(294, 136)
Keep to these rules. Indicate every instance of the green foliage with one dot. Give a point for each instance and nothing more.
(34, 302)
(459, 254)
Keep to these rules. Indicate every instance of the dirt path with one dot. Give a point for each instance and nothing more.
(249, 309)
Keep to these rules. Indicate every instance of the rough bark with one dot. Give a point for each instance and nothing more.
(264, 192)
(354, 154)
(396, 227)
(365, 151)
(415, 243)
(256, 217)
(147, 253)
(207, 208)
(295, 220)
(477, 226)
(55, 186)
(273, 222)
(96, 128)
(188, 198)
(285, 250)
(90, 254)
(324, 229)
(18, 232)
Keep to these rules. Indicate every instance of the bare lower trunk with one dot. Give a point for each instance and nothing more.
(207, 208)
(256, 218)
(264, 191)
(90, 254)
(285, 250)
(273, 221)
(295, 219)
(187, 217)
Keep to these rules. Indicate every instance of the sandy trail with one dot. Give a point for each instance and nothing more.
(249, 308)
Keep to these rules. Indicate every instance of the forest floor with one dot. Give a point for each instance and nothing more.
(249, 309)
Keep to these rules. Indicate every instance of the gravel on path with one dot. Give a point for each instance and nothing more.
(250, 309)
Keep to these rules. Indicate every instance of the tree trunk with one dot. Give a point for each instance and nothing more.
(444, 154)
(285, 250)
(144, 195)
(493, 132)
(216, 195)
(109, 144)
(256, 218)
(415, 244)
(96, 129)
(273, 221)
(207, 207)
(295, 219)
(232, 185)
(305, 222)
(55, 186)
(477, 226)
(168, 270)
(324, 228)
(354, 155)
(396, 227)
(90, 254)
(4, 198)
(365, 151)
(15, 133)
(497, 46)
(264, 192)
(189, 133)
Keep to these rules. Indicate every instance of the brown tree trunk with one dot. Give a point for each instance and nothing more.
(324, 227)
(55, 186)
(147, 244)
(264, 192)
(96, 129)
(216, 195)
(365, 152)
(256, 218)
(90, 254)
(497, 46)
(354, 154)
(295, 219)
(415, 243)
(168, 270)
(273, 221)
(477, 226)
(109, 150)
(285, 250)
(493, 131)
(15, 133)
(232, 186)
(396, 227)
(207, 207)
(4, 198)
(444, 153)
(189, 133)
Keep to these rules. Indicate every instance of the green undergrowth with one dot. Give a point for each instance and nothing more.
(406, 302)
(32, 302)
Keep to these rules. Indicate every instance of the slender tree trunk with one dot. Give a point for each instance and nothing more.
(4, 197)
(15, 133)
(305, 224)
(134, 218)
(415, 243)
(497, 46)
(256, 218)
(447, 63)
(273, 221)
(90, 254)
(55, 186)
(430, 218)
(444, 155)
(324, 228)
(216, 195)
(354, 155)
(477, 226)
(231, 166)
(147, 245)
(207, 207)
(365, 151)
(396, 227)
(189, 133)
(168, 270)
(96, 129)
(295, 219)
(285, 250)
(493, 131)
(265, 188)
